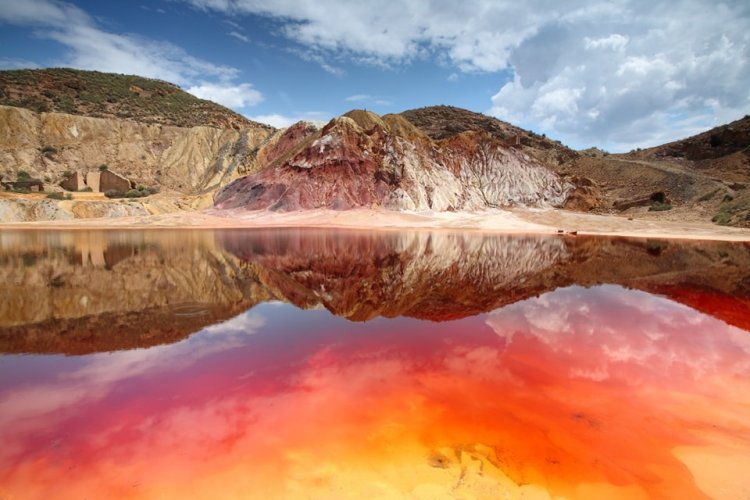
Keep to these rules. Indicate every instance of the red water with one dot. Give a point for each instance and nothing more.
(585, 393)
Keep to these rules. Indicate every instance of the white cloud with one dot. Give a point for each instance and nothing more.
(657, 73)
(358, 97)
(283, 121)
(239, 36)
(324, 61)
(90, 47)
(232, 96)
(366, 98)
(13, 63)
(613, 42)
(614, 74)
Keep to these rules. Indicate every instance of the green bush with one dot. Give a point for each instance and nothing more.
(22, 175)
(722, 218)
(103, 167)
(56, 196)
(708, 195)
(113, 193)
(87, 189)
(659, 207)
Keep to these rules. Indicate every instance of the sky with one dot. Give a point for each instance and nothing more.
(612, 74)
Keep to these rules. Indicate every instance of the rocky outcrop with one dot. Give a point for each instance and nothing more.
(363, 160)
(187, 160)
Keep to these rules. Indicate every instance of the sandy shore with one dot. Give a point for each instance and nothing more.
(516, 221)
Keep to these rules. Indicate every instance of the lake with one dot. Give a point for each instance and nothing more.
(330, 364)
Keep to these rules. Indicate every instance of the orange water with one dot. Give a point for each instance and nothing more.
(582, 393)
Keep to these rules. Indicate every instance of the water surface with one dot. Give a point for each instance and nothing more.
(294, 363)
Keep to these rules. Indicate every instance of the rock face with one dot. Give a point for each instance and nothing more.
(363, 160)
(188, 160)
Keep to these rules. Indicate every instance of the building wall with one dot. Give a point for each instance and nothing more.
(73, 183)
(93, 181)
(109, 180)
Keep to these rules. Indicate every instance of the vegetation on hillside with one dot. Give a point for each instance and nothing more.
(108, 95)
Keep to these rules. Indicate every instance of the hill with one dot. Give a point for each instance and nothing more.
(108, 95)
(56, 123)
(703, 177)
(363, 160)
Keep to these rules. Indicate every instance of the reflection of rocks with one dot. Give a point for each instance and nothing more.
(435, 276)
(93, 291)
(440, 276)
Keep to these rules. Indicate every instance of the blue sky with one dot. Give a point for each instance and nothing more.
(616, 75)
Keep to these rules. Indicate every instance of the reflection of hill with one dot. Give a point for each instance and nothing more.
(100, 291)
(434, 276)
(91, 292)
(439, 276)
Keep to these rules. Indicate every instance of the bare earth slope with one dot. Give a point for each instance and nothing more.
(186, 160)
(704, 177)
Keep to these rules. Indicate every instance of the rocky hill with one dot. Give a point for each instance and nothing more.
(363, 160)
(54, 122)
(701, 177)
(446, 158)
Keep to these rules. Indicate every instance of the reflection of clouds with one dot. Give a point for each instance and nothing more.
(246, 323)
(602, 330)
(480, 363)
(359, 401)
(33, 406)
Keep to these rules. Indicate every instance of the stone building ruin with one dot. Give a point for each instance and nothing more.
(99, 182)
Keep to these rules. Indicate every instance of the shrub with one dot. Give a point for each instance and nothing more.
(56, 196)
(659, 207)
(22, 175)
(727, 197)
(49, 150)
(708, 195)
(21, 190)
(69, 196)
(87, 189)
(67, 174)
(113, 193)
(103, 167)
(722, 218)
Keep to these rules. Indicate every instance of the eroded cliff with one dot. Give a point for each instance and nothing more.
(188, 160)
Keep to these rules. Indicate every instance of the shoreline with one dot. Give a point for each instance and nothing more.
(514, 221)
